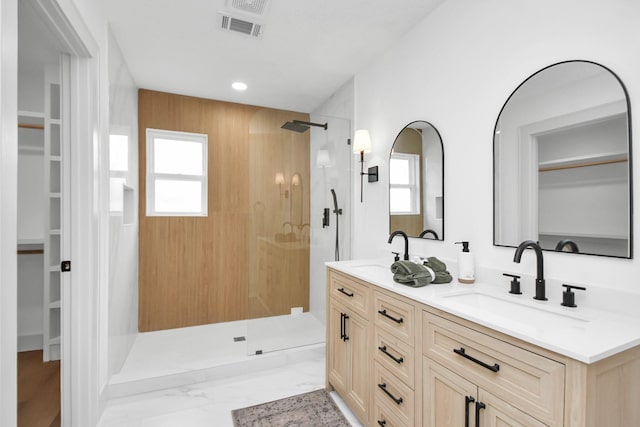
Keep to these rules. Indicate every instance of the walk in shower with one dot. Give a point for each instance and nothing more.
(254, 279)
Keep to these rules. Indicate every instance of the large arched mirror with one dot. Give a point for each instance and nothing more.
(416, 182)
(562, 162)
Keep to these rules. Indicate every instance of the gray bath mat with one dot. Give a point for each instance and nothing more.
(314, 409)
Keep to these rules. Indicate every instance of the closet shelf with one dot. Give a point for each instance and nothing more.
(566, 235)
(583, 161)
(54, 304)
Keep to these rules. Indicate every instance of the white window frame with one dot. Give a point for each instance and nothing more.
(413, 185)
(201, 138)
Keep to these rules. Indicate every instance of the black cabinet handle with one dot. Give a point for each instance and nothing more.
(384, 313)
(383, 387)
(342, 326)
(345, 337)
(395, 359)
(350, 295)
(382, 423)
(461, 352)
(467, 400)
(479, 406)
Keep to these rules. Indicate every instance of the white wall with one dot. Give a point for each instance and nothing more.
(455, 70)
(123, 238)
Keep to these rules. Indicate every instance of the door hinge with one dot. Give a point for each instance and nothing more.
(65, 266)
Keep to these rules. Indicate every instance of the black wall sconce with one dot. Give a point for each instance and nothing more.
(362, 144)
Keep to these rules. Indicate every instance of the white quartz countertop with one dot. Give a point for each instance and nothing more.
(586, 334)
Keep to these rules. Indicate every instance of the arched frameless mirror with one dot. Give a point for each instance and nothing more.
(416, 182)
(562, 162)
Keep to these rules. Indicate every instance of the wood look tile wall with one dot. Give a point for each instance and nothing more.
(196, 270)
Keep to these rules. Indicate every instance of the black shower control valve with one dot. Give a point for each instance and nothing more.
(569, 297)
(397, 256)
(325, 217)
(515, 283)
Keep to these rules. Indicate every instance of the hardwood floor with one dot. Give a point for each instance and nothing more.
(38, 391)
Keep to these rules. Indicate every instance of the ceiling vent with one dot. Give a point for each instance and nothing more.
(243, 26)
(255, 7)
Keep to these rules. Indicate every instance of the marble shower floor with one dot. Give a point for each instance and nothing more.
(192, 377)
(198, 351)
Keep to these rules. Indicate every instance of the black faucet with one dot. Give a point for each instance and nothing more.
(540, 288)
(573, 247)
(429, 231)
(406, 242)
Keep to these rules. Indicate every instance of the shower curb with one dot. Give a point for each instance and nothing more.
(250, 364)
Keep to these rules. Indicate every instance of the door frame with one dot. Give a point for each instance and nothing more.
(80, 386)
(8, 210)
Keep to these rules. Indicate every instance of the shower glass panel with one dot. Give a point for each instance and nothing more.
(287, 243)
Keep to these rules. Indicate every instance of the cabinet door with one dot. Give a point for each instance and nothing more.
(338, 363)
(498, 413)
(449, 400)
(356, 330)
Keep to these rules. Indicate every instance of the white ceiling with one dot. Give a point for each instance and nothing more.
(307, 50)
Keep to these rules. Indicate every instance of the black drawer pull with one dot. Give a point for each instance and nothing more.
(461, 352)
(395, 359)
(384, 313)
(345, 338)
(467, 400)
(383, 387)
(350, 295)
(479, 406)
(382, 423)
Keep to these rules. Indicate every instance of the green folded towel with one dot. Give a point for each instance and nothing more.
(440, 269)
(410, 274)
(417, 275)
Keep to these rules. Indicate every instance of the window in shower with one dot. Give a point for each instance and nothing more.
(176, 173)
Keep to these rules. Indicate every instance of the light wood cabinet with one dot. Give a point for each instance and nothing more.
(408, 364)
(451, 400)
(527, 380)
(348, 342)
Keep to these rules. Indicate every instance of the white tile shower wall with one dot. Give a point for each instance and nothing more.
(456, 69)
(337, 111)
(123, 239)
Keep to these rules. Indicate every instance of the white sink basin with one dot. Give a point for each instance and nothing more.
(517, 312)
(372, 268)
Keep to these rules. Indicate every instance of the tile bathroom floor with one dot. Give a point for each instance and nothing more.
(184, 378)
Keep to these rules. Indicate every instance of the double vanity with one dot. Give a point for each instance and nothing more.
(475, 355)
(479, 354)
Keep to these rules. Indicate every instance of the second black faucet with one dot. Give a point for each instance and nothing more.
(406, 241)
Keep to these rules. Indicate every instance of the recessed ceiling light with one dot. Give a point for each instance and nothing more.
(239, 86)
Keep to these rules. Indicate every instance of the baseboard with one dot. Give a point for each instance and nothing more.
(30, 342)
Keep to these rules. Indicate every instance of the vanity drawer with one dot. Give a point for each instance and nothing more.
(527, 380)
(385, 417)
(395, 355)
(393, 394)
(394, 316)
(350, 292)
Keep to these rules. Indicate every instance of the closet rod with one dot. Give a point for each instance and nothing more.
(30, 126)
(30, 251)
(581, 165)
